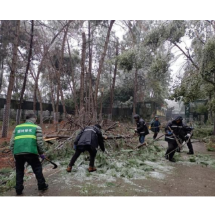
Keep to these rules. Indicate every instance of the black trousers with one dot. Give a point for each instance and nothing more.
(172, 145)
(155, 135)
(34, 162)
(92, 151)
(190, 146)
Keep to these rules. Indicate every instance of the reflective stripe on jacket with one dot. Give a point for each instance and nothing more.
(25, 139)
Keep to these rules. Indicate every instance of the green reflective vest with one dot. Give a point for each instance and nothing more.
(25, 140)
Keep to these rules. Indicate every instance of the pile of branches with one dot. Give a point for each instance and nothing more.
(72, 125)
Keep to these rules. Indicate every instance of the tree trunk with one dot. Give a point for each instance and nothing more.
(52, 97)
(11, 81)
(36, 84)
(61, 70)
(214, 120)
(114, 80)
(57, 104)
(135, 92)
(73, 81)
(2, 55)
(63, 102)
(26, 73)
(100, 114)
(41, 107)
(1, 73)
(101, 62)
(91, 97)
(83, 56)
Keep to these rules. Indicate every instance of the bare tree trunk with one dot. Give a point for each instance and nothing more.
(135, 92)
(91, 97)
(100, 114)
(11, 81)
(2, 56)
(101, 62)
(61, 70)
(62, 97)
(83, 54)
(26, 73)
(114, 80)
(36, 83)
(57, 104)
(1, 73)
(52, 97)
(41, 107)
(214, 113)
(73, 81)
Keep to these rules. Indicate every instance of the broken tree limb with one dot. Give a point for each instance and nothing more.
(116, 137)
(48, 139)
(56, 136)
(112, 126)
(141, 145)
(176, 139)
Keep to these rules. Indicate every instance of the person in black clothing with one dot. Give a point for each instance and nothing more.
(182, 133)
(88, 139)
(142, 129)
(155, 126)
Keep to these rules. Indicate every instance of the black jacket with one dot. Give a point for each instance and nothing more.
(155, 126)
(142, 128)
(90, 135)
(179, 129)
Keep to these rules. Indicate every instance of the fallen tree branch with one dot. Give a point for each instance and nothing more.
(116, 137)
(57, 136)
(112, 126)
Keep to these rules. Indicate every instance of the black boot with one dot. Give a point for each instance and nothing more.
(19, 190)
(172, 160)
(190, 153)
(18, 193)
(43, 187)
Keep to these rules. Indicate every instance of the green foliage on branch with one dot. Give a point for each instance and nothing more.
(172, 31)
(208, 62)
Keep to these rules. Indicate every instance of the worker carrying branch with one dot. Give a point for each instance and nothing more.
(176, 134)
(88, 139)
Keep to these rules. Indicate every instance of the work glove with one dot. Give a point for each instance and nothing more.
(169, 132)
(42, 156)
(187, 136)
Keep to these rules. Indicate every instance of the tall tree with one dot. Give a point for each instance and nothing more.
(101, 62)
(83, 57)
(11, 80)
(114, 80)
(26, 73)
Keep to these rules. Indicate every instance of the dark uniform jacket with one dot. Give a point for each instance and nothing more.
(155, 126)
(142, 128)
(179, 129)
(90, 136)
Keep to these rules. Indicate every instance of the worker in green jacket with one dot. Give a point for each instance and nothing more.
(27, 145)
